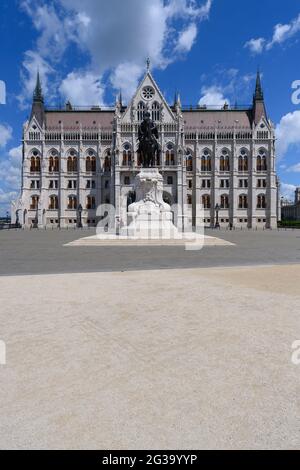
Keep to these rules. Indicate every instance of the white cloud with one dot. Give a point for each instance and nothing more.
(125, 78)
(281, 33)
(117, 35)
(82, 88)
(32, 63)
(187, 38)
(213, 96)
(287, 191)
(256, 46)
(288, 132)
(5, 134)
(15, 155)
(294, 168)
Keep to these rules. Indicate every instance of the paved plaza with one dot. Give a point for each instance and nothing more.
(43, 252)
(194, 355)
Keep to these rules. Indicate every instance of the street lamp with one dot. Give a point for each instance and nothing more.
(80, 216)
(217, 209)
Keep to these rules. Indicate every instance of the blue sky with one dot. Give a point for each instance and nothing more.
(208, 50)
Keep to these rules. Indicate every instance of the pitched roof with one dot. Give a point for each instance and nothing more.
(202, 119)
(73, 119)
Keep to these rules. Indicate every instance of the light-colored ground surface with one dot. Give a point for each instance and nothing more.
(191, 240)
(151, 359)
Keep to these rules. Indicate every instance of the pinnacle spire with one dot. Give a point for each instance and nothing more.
(38, 93)
(259, 94)
(148, 64)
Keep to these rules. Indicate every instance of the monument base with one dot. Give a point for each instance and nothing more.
(150, 217)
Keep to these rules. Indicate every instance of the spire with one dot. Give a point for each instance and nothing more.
(38, 109)
(120, 98)
(259, 109)
(148, 64)
(38, 93)
(259, 94)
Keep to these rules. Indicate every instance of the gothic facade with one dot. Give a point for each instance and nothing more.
(75, 159)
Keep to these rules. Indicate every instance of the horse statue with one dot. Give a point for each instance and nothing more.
(148, 142)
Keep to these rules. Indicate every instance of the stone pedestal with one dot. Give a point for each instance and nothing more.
(149, 217)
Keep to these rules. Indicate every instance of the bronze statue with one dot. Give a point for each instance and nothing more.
(148, 142)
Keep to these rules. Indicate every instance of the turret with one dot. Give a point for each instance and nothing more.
(38, 108)
(259, 109)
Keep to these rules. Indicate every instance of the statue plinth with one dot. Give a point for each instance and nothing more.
(150, 217)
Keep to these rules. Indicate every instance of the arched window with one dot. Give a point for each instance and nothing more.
(261, 201)
(90, 202)
(224, 201)
(90, 162)
(107, 161)
(189, 160)
(127, 154)
(243, 161)
(170, 154)
(206, 201)
(189, 199)
(224, 161)
(155, 111)
(261, 161)
(35, 164)
(53, 202)
(72, 164)
(56, 164)
(34, 201)
(140, 111)
(206, 162)
(243, 201)
(72, 202)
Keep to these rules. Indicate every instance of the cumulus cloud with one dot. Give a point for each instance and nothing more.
(82, 88)
(10, 176)
(125, 77)
(288, 132)
(5, 134)
(281, 33)
(117, 35)
(187, 38)
(256, 46)
(213, 96)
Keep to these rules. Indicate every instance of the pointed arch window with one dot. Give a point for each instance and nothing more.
(261, 161)
(127, 155)
(90, 202)
(72, 202)
(243, 201)
(243, 161)
(140, 111)
(155, 111)
(34, 202)
(224, 201)
(206, 201)
(35, 164)
(261, 201)
(72, 164)
(170, 155)
(206, 162)
(189, 160)
(224, 161)
(53, 202)
(107, 161)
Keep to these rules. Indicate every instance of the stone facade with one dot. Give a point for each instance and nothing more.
(75, 160)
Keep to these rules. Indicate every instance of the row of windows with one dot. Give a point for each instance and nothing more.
(261, 202)
(71, 202)
(91, 165)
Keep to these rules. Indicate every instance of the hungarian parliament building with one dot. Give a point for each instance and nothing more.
(216, 164)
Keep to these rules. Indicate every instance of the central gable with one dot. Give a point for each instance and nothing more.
(149, 96)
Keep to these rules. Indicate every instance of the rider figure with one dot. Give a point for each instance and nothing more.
(148, 135)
